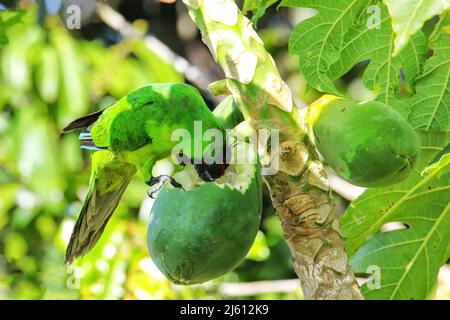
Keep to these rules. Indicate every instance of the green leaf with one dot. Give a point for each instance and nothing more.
(408, 17)
(441, 154)
(15, 246)
(7, 20)
(442, 166)
(376, 44)
(317, 41)
(3, 37)
(258, 7)
(47, 80)
(345, 33)
(73, 98)
(408, 259)
(156, 67)
(430, 106)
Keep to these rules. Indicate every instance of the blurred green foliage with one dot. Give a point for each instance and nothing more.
(47, 78)
(7, 20)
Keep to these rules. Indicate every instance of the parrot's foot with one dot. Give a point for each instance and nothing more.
(157, 183)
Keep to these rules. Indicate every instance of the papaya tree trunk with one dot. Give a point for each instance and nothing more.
(299, 190)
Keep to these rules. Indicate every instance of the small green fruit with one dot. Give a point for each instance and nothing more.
(368, 144)
(204, 232)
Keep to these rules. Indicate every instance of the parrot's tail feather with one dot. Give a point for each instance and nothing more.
(95, 214)
(87, 143)
(85, 135)
(83, 122)
(93, 148)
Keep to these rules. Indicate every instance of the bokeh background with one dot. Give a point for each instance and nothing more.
(49, 75)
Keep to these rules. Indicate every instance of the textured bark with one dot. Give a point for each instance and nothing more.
(300, 190)
(311, 228)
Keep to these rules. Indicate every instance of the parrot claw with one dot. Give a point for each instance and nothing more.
(157, 183)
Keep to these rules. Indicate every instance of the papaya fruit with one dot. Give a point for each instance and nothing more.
(369, 144)
(204, 231)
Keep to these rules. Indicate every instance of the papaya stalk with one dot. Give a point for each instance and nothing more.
(299, 190)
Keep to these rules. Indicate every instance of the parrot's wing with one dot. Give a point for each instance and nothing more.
(98, 206)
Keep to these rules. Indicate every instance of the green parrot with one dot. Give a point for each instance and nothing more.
(129, 137)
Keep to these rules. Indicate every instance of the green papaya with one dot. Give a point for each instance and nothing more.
(204, 231)
(369, 144)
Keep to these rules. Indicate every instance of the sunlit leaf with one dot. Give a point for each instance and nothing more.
(48, 75)
(318, 40)
(73, 98)
(159, 70)
(259, 250)
(375, 45)
(17, 57)
(345, 33)
(258, 7)
(410, 258)
(408, 16)
(7, 20)
(15, 246)
(430, 106)
(440, 167)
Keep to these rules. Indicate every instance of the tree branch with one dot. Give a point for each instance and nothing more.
(300, 190)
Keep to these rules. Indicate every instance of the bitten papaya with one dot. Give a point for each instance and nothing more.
(369, 144)
(204, 231)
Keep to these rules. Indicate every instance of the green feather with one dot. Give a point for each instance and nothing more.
(137, 131)
(109, 179)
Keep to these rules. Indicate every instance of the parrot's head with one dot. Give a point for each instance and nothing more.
(210, 172)
(214, 167)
